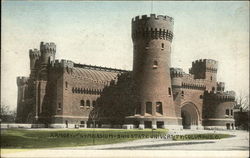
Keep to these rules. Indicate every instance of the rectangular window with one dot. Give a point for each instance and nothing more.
(138, 108)
(149, 107)
(59, 106)
(227, 111)
(232, 113)
(159, 107)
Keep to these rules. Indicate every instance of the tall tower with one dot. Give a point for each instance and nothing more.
(152, 37)
(34, 59)
(48, 51)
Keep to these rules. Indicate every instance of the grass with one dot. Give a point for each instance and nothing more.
(200, 136)
(34, 139)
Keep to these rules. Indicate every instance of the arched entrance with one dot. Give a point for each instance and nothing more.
(190, 115)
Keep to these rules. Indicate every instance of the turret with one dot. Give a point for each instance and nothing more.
(34, 61)
(220, 86)
(205, 69)
(48, 51)
(176, 77)
(152, 37)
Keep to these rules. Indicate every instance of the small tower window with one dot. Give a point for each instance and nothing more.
(182, 93)
(149, 107)
(82, 103)
(232, 112)
(66, 84)
(147, 45)
(155, 64)
(213, 89)
(227, 111)
(59, 106)
(162, 45)
(138, 108)
(169, 91)
(211, 78)
(159, 107)
(88, 103)
(93, 103)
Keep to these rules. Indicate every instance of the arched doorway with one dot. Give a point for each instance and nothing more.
(190, 115)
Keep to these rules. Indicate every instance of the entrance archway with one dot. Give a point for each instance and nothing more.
(190, 115)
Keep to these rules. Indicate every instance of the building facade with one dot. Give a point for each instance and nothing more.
(152, 95)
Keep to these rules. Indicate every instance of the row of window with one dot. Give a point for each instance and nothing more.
(149, 108)
(86, 91)
(87, 103)
(228, 112)
(182, 94)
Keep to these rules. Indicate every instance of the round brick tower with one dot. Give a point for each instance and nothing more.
(152, 37)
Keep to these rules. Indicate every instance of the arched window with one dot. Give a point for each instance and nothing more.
(155, 64)
(66, 84)
(82, 103)
(88, 103)
(162, 45)
(211, 78)
(227, 111)
(182, 93)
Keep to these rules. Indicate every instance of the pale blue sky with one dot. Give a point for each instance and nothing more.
(98, 33)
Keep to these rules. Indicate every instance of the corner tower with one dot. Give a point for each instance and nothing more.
(152, 37)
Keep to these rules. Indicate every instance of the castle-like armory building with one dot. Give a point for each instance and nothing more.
(152, 95)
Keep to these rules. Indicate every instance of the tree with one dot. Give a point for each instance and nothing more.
(7, 115)
(242, 102)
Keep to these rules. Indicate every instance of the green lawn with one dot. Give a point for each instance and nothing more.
(33, 139)
(200, 136)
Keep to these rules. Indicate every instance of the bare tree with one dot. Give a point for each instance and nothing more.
(242, 102)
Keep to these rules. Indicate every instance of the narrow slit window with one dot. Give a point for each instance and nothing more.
(162, 45)
(169, 90)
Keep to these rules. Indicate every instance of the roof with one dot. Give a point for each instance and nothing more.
(96, 73)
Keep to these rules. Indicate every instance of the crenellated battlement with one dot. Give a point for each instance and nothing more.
(153, 33)
(193, 86)
(220, 96)
(152, 27)
(63, 63)
(47, 46)
(176, 72)
(21, 80)
(34, 53)
(152, 17)
(209, 63)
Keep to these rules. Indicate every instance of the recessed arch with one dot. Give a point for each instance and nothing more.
(190, 115)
